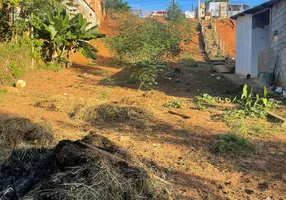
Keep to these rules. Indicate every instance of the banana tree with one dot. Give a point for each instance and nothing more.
(61, 35)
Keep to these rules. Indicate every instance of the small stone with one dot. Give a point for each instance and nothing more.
(20, 84)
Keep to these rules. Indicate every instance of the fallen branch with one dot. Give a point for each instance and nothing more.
(283, 120)
(111, 156)
(162, 180)
(179, 114)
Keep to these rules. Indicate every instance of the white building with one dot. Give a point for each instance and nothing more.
(261, 40)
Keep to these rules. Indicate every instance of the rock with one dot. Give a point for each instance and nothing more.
(20, 84)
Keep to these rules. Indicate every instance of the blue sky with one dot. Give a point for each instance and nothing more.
(186, 4)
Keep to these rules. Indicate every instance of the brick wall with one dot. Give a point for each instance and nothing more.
(278, 40)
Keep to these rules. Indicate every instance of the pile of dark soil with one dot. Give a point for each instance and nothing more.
(92, 168)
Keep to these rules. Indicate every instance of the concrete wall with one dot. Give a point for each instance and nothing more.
(243, 45)
(84, 7)
(260, 41)
(278, 43)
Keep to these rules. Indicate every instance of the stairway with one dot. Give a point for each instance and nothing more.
(212, 48)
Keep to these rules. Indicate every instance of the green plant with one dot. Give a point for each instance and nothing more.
(174, 104)
(62, 34)
(145, 40)
(175, 13)
(206, 98)
(16, 70)
(231, 142)
(104, 94)
(146, 74)
(252, 106)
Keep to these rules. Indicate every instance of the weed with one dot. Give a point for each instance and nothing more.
(16, 70)
(109, 81)
(231, 142)
(104, 94)
(206, 98)
(250, 106)
(174, 104)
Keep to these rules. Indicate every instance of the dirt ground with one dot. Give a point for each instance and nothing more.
(226, 29)
(182, 148)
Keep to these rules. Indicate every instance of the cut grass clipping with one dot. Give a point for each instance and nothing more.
(92, 168)
(232, 142)
(20, 130)
(111, 112)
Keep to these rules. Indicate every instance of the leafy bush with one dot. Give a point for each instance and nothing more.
(145, 40)
(175, 13)
(62, 34)
(146, 74)
(231, 142)
(174, 104)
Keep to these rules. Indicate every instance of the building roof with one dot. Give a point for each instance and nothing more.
(255, 9)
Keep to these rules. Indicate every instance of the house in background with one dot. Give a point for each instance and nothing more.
(226, 9)
(261, 42)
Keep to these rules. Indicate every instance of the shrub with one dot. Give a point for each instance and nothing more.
(146, 74)
(175, 13)
(145, 40)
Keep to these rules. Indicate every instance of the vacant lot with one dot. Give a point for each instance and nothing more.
(195, 149)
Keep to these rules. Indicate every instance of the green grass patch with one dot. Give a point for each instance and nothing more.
(233, 143)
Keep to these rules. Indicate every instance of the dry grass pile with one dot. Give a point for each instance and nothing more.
(92, 168)
(60, 103)
(111, 112)
(14, 129)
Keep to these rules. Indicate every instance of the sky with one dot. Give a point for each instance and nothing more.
(185, 4)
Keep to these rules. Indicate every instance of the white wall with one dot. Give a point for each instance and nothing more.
(243, 45)
(260, 41)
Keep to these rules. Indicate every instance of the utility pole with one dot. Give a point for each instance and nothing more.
(199, 9)
(174, 2)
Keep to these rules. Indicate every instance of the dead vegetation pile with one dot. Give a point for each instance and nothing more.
(60, 103)
(92, 168)
(111, 113)
(18, 130)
